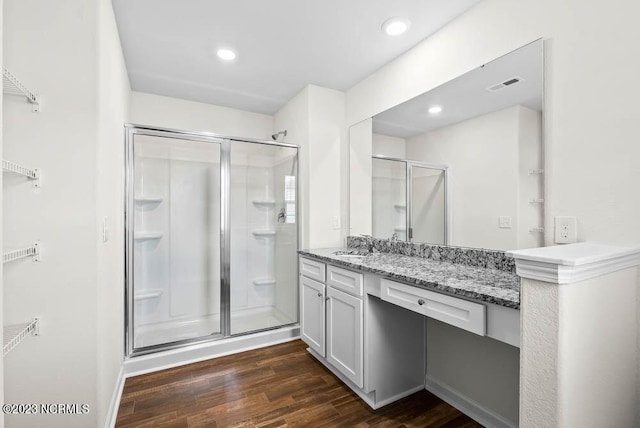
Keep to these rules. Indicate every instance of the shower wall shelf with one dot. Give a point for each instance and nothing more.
(400, 206)
(11, 85)
(264, 281)
(148, 294)
(147, 236)
(267, 203)
(32, 251)
(30, 173)
(14, 334)
(264, 233)
(149, 199)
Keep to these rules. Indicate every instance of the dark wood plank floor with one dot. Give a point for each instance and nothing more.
(277, 386)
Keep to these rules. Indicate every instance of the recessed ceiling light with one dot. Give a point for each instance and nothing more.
(435, 109)
(395, 26)
(226, 54)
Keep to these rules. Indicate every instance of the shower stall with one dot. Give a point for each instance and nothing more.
(211, 237)
(409, 200)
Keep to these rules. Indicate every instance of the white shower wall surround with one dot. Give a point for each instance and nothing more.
(178, 189)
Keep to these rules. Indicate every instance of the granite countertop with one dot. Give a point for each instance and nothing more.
(487, 285)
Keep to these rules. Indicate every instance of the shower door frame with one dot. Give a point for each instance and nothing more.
(225, 142)
(409, 164)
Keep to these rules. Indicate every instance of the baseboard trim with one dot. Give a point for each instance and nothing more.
(192, 354)
(466, 405)
(397, 397)
(115, 400)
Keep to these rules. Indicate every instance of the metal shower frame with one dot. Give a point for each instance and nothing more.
(225, 231)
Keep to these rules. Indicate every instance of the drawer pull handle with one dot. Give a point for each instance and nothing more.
(421, 302)
(319, 294)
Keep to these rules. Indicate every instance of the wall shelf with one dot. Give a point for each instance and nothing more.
(266, 203)
(147, 236)
(152, 293)
(13, 335)
(148, 199)
(264, 281)
(32, 251)
(400, 206)
(30, 173)
(11, 85)
(264, 233)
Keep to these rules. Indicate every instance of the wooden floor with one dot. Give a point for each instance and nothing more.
(277, 386)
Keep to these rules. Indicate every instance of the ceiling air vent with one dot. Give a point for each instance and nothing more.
(502, 85)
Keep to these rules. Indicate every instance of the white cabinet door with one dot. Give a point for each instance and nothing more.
(345, 335)
(312, 314)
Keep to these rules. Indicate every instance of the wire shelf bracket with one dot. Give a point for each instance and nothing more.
(30, 173)
(32, 251)
(13, 335)
(11, 85)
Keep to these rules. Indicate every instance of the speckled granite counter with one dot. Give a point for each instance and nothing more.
(488, 285)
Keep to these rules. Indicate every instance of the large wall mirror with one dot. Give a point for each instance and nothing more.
(459, 165)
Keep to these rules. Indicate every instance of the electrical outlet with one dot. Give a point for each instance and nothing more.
(566, 230)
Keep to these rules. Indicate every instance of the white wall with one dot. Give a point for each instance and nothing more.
(585, 69)
(74, 60)
(487, 175)
(360, 183)
(315, 121)
(113, 99)
(1, 220)
(59, 61)
(389, 146)
(166, 112)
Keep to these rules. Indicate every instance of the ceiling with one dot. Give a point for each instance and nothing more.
(467, 96)
(282, 45)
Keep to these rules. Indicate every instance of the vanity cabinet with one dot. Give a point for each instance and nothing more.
(312, 314)
(374, 347)
(345, 339)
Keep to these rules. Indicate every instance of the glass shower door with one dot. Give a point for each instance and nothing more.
(173, 239)
(428, 204)
(389, 198)
(263, 236)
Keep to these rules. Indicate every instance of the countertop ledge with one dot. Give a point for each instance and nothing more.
(482, 284)
(566, 264)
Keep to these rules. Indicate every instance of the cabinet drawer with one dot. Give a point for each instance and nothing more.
(345, 280)
(460, 313)
(312, 269)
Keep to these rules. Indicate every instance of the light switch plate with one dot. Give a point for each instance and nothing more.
(504, 222)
